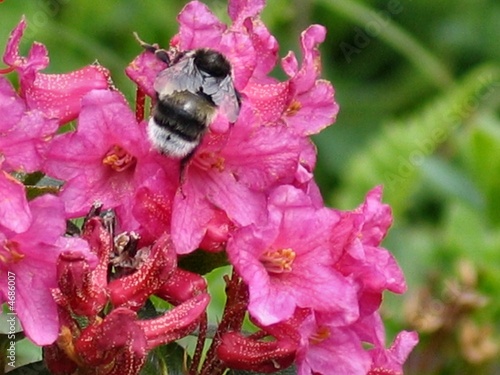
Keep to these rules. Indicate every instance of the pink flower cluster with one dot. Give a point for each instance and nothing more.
(309, 276)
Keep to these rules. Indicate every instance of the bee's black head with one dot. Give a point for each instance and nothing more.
(212, 62)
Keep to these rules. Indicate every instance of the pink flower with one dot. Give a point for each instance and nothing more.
(372, 266)
(106, 159)
(24, 133)
(385, 361)
(30, 253)
(119, 344)
(116, 341)
(15, 214)
(156, 180)
(82, 289)
(305, 103)
(245, 353)
(325, 347)
(232, 173)
(287, 263)
(58, 96)
(132, 291)
(182, 286)
(390, 361)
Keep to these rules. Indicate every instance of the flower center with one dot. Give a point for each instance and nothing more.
(293, 108)
(10, 253)
(279, 261)
(118, 159)
(321, 334)
(209, 160)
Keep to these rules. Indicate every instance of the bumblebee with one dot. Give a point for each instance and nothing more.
(189, 92)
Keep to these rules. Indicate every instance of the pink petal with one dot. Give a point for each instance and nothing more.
(191, 213)
(263, 157)
(38, 309)
(12, 106)
(59, 95)
(377, 216)
(198, 27)
(153, 204)
(239, 10)
(270, 100)
(390, 361)
(238, 48)
(341, 353)
(265, 45)
(305, 78)
(28, 142)
(37, 271)
(48, 223)
(304, 177)
(382, 271)
(175, 323)
(143, 71)
(242, 206)
(37, 59)
(182, 286)
(245, 353)
(318, 109)
(15, 213)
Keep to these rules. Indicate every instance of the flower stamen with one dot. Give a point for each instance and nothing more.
(119, 159)
(279, 261)
(210, 160)
(321, 334)
(10, 252)
(293, 108)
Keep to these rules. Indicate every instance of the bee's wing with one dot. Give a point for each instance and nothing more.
(181, 76)
(223, 95)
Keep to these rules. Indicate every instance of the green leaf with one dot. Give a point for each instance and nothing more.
(484, 162)
(203, 262)
(165, 360)
(467, 233)
(395, 157)
(36, 368)
(451, 181)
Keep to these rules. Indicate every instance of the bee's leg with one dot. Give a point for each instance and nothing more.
(183, 170)
(160, 54)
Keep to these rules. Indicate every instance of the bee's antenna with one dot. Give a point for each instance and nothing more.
(160, 54)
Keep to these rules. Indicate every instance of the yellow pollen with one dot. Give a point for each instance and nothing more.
(118, 159)
(293, 108)
(321, 335)
(209, 160)
(279, 261)
(11, 253)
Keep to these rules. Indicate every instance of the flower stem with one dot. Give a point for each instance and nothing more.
(202, 335)
(232, 320)
(7, 70)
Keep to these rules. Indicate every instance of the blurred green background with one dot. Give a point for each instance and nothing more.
(418, 83)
